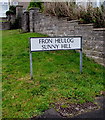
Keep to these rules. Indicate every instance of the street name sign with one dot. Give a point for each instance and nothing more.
(64, 43)
(55, 43)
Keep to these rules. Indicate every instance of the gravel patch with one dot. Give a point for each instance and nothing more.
(70, 110)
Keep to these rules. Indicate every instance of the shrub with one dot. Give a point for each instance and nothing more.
(35, 4)
(9, 12)
(93, 15)
(99, 18)
(72, 11)
(86, 14)
(12, 11)
(61, 9)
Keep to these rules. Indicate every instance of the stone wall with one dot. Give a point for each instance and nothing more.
(4, 25)
(93, 39)
(5, 22)
(12, 21)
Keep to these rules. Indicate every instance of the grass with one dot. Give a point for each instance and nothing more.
(0, 74)
(56, 77)
(3, 21)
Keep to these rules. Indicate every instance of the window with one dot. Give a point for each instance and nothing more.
(4, 6)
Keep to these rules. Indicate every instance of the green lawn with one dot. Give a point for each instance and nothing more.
(56, 77)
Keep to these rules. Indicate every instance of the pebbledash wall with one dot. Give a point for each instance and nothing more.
(93, 39)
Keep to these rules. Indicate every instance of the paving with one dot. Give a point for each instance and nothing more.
(96, 114)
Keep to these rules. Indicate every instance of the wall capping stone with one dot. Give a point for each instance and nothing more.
(33, 9)
(72, 21)
(99, 29)
(19, 6)
(86, 24)
(26, 11)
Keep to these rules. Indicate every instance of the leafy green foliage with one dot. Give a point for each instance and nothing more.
(35, 4)
(56, 77)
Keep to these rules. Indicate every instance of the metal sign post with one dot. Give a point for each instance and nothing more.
(55, 43)
(31, 69)
(81, 61)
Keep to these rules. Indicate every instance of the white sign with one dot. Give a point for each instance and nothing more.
(57, 43)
